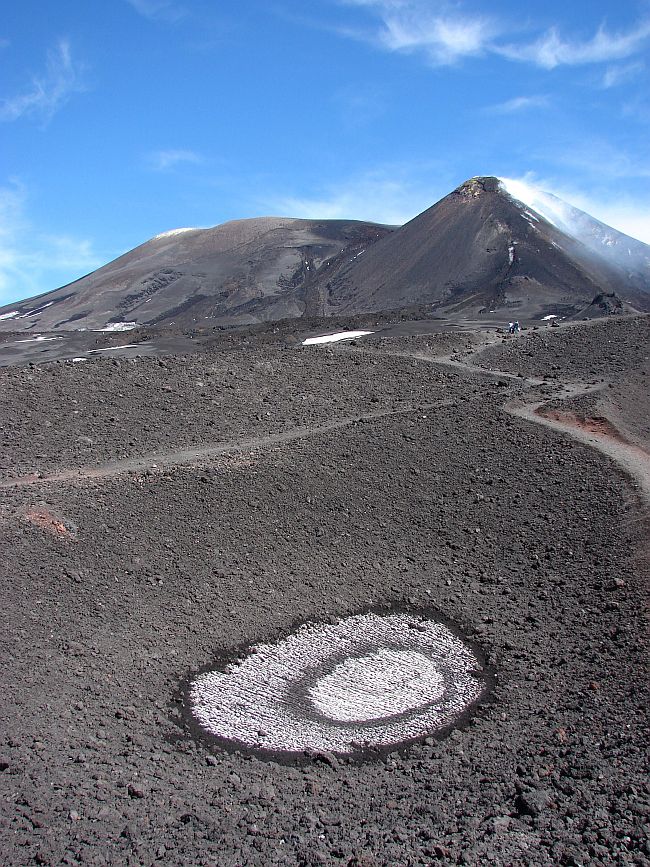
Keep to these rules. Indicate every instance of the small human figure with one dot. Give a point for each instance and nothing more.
(517, 327)
(511, 327)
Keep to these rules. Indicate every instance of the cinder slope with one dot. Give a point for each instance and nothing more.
(244, 271)
(478, 250)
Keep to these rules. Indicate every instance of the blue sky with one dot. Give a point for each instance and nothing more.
(123, 119)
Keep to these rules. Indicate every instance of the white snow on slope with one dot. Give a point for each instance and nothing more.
(8, 315)
(37, 310)
(37, 339)
(334, 338)
(172, 232)
(117, 326)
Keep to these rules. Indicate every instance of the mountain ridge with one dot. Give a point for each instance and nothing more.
(482, 250)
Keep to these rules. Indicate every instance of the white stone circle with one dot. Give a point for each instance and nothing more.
(367, 681)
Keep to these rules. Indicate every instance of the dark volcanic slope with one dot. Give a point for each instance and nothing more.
(246, 271)
(480, 250)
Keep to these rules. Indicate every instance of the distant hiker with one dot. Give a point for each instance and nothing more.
(511, 327)
(517, 327)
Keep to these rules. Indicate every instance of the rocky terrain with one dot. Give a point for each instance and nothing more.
(160, 512)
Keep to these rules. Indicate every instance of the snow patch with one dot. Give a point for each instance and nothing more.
(172, 232)
(393, 682)
(116, 326)
(550, 316)
(334, 338)
(511, 254)
(37, 339)
(36, 310)
(8, 315)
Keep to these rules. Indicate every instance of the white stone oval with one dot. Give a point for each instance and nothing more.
(372, 687)
(367, 681)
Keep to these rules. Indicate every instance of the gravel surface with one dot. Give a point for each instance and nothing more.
(119, 589)
(67, 415)
(604, 349)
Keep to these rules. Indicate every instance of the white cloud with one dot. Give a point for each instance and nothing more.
(600, 162)
(614, 209)
(622, 73)
(551, 50)
(48, 92)
(517, 104)
(444, 35)
(389, 195)
(32, 261)
(164, 160)
(159, 10)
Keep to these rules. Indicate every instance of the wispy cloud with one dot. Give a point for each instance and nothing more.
(159, 10)
(358, 105)
(444, 35)
(446, 32)
(50, 91)
(614, 209)
(622, 73)
(598, 160)
(637, 108)
(392, 194)
(551, 50)
(165, 160)
(32, 261)
(518, 104)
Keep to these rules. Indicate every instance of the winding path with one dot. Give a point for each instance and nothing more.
(164, 460)
(633, 459)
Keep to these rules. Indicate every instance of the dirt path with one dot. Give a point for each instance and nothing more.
(603, 436)
(631, 458)
(163, 460)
